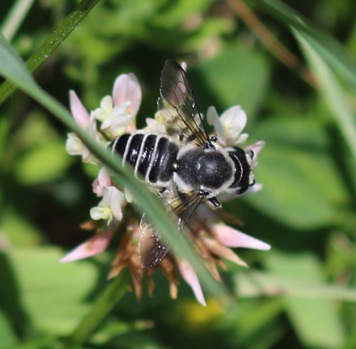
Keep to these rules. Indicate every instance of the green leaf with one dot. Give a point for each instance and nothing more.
(301, 186)
(42, 164)
(7, 335)
(236, 77)
(19, 231)
(107, 300)
(315, 320)
(252, 284)
(331, 50)
(330, 89)
(178, 11)
(53, 294)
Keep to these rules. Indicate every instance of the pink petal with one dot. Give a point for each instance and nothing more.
(104, 178)
(191, 278)
(234, 238)
(223, 251)
(127, 88)
(80, 114)
(95, 245)
(103, 181)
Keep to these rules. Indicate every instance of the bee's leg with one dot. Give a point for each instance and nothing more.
(161, 191)
(214, 202)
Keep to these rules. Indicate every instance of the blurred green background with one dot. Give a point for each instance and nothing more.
(301, 294)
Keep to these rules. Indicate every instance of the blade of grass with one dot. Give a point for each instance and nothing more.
(14, 69)
(330, 49)
(331, 90)
(15, 17)
(54, 40)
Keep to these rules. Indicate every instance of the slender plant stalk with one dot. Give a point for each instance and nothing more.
(270, 41)
(50, 45)
(103, 305)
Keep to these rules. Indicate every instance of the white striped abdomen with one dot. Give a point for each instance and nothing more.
(152, 156)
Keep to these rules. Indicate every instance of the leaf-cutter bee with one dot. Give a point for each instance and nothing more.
(186, 167)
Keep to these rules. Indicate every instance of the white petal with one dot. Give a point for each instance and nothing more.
(214, 120)
(116, 200)
(97, 213)
(106, 106)
(155, 126)
(74, 145)
(234, 117)
(233, 120)
(107, 103)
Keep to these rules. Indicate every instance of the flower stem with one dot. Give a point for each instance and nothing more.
(104, 304)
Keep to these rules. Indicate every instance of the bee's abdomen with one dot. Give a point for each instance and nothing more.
(150, 155)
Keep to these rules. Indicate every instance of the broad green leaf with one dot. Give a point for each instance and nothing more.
(7, 335)
(102, 306)
(42, 164)
(36, 153)
(316, 320)
(179, 10)
(257, 326)
(235, 77)
(54, 295)
(301, 187)
(18, 229)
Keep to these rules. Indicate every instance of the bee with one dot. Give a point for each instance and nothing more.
(186, 167)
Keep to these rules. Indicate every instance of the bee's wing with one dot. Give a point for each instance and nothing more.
(151, 248)
(184, 204)
(180, 207)
(177, 103)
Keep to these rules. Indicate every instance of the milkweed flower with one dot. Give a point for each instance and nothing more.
(213, 240)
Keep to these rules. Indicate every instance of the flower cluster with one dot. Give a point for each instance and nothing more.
(212, 238)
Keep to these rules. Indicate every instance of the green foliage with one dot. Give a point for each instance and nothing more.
(301, 294)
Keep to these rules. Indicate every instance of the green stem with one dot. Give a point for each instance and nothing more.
(103, 305)
(50, 45)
